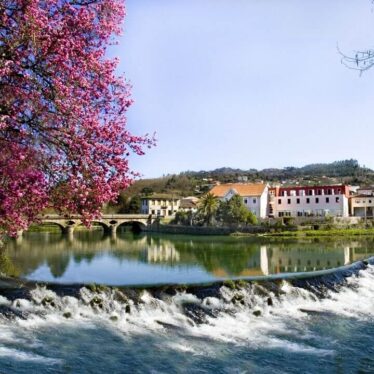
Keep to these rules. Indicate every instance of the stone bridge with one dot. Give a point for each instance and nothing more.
(109, 222)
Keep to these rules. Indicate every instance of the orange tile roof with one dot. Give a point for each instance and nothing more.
(243, 189)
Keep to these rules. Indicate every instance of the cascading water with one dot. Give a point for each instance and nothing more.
(321, 323)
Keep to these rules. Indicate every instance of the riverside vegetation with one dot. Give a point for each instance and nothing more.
(213, 212)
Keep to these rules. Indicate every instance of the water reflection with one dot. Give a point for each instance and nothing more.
(126, 258)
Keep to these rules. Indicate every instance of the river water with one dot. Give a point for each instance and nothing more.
(264, 327)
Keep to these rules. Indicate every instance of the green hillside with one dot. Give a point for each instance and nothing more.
(198, 182)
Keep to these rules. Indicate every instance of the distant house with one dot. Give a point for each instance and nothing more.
(299, 201)
(254, 196)
(163, 205)
(189, 204)
(362, 205)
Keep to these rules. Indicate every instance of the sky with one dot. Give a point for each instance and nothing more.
(247, 83)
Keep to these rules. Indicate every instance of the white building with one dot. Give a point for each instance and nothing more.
(255, 196)
(162, 205)
(189, 204)
(308, 201)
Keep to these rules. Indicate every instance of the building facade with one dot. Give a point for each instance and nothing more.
(189, 204)
(362, 205)
(162, 205)
(308, 201)
(254, 196)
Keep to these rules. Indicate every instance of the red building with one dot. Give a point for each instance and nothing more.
(301, 201)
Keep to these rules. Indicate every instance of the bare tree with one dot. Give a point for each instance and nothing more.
(360, 60)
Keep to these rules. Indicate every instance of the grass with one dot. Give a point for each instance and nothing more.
(44, 228)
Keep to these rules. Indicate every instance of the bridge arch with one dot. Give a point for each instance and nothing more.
(104, 225)
(136, 225)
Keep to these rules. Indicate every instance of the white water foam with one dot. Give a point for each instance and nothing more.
(280, 325)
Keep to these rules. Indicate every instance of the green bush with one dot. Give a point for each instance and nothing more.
(288, 221)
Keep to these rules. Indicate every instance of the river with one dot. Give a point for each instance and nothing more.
(250, 327)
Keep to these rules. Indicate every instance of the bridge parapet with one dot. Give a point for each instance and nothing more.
(110, 222)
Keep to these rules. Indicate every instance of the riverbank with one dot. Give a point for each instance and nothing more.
(318, 230)
(258, 230)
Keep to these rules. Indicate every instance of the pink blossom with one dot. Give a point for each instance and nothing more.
(63, 137)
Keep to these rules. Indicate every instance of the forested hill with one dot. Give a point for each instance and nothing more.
(338, 169)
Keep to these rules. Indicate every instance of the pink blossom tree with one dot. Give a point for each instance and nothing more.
(63, 137)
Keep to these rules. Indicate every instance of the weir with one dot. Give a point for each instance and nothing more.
(322, 279)
(285, 316)
(183, 306)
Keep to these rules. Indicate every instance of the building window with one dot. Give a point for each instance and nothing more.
(279, 201)
(170, 212)
(317, 200)
(327, 199)
(153, 211)
(337, 199)
(329, 192)
(288, 201)
(319, 192)
(297, 201)
(307, 200)
(245, 201)
(254, 201)
(299, 214)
